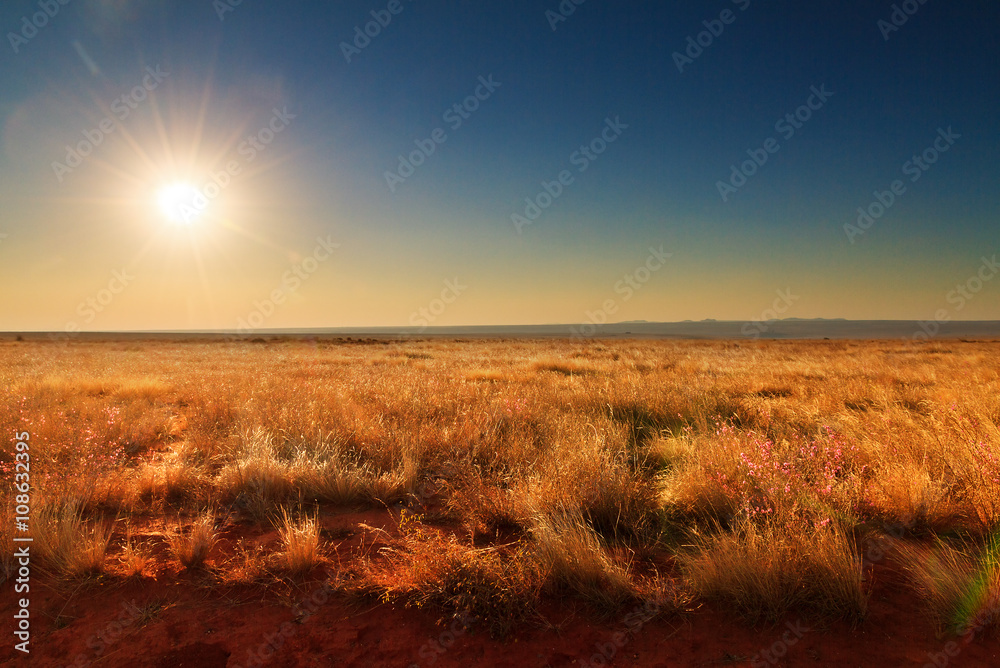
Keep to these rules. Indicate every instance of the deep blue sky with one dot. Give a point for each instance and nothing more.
(657, 185)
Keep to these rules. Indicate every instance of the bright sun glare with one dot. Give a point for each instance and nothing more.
(181, 203)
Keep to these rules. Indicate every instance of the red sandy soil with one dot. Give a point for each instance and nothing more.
(201, 626)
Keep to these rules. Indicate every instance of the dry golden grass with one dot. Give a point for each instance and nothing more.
(191, 545)
(572, 465)
(67, 544)
(568, 367)
(498, 585)
(763, 571)
(248, 564)
(300, 542)
(959, 587)
(135, 560)
(128, 388)
(574, 555)
(490, 375)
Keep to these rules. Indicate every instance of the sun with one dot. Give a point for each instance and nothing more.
(181, 203)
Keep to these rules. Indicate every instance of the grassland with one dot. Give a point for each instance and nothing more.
(756, 477)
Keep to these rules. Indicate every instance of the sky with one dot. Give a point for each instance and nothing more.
(265, 165)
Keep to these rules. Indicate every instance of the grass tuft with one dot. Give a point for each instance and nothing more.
(300, 539)
(498, 585)
(762, 572)
(68, 545)
(192, 547)
(574, 555)
(959, 588)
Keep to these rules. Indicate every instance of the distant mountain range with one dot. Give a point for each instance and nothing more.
(788, 328)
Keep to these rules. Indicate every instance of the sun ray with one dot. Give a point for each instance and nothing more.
(203, 111)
